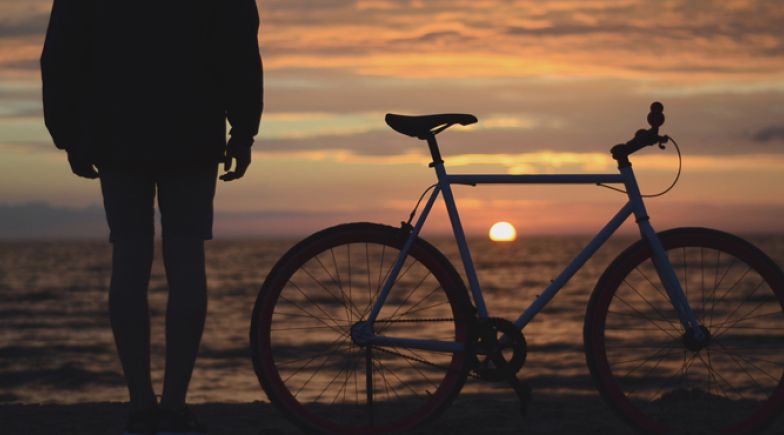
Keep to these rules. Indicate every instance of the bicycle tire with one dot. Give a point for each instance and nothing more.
(638, 357)
(309, 373)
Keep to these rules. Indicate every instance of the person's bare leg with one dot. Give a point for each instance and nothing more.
(130, 318)
(185, 314)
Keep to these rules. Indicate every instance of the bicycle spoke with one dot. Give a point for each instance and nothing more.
(715, 374)
(645, 376)
(655, 287)
(685, 274)
(757, 316)
(718, 284)
(335, 327)
(311, 358)
(419, 371)
(721, 331)
(394, 316)
(646, 358)
(427, 307)
(380, 269)
(350, 298)
(399, 277)
(310, 378)
(413, 308)
(634, 369)
(651, 321)
(656, 310)
(344, 368)
(335, 322)
(367, 266)
(702, 284)
(340, 284)
(408, 296)
(400, 381)
(732, 287)
(321, 284)
(369, 383)
(380, 371)
(687, 363)
(747, 358)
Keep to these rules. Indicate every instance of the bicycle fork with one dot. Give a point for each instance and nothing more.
(695, 335)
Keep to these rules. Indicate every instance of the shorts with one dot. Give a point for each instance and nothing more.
(185, 199)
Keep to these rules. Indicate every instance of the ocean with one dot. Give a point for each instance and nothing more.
(56, 344)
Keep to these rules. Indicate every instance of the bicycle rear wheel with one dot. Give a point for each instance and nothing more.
(660, 382)
(303, 352)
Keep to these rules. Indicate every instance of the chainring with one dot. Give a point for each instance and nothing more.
(499, 349)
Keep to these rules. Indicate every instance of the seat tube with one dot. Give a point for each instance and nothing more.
(457, 228)
(660, 260)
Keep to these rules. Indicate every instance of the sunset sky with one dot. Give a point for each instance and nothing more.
(554, 84)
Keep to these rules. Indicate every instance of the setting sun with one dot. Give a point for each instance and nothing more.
(503, 232)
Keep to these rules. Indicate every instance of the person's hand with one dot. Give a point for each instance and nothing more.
(82, 166)
(238, 150)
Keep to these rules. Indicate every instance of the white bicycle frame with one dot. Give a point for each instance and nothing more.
(634, 206)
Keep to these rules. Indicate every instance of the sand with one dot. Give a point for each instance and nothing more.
(469, 414)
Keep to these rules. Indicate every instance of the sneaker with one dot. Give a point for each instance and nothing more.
(144, 422)
(179, 422)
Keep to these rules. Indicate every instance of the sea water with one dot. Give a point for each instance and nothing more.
(56, 343)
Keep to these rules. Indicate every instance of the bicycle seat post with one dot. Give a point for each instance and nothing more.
(434, 152)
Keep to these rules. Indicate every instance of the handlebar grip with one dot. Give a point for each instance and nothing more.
(656, 115)
(642, 138)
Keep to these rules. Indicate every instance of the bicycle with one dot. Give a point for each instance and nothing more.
(367, 328)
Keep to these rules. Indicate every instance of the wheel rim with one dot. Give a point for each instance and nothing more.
(320, 375)
(732, 385)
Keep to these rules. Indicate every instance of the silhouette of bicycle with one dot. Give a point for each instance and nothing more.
(366, 328)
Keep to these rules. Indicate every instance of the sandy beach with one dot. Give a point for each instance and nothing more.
(469, 414)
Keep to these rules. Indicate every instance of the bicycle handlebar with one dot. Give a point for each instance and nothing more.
(642, 138)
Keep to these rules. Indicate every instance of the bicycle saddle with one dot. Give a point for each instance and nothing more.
(426, 125)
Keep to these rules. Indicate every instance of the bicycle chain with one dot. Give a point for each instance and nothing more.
(413, 358)
(476, 371)
(422, 361)
(415, 320)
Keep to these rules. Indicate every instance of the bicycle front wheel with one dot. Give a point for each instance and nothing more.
(659, 381)
(303, 352)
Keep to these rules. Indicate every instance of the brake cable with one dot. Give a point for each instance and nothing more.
(413, 212)
(674, 182)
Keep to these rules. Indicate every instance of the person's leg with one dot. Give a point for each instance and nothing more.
(130, 319)
(185, 201)
(185, 314)
(128, 197)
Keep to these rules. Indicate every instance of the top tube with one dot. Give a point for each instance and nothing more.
(534, 178)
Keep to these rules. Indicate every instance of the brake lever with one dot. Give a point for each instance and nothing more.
(663, 140)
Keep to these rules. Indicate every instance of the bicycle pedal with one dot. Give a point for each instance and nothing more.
(524, 393)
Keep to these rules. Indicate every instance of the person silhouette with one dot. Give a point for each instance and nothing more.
(138, 94)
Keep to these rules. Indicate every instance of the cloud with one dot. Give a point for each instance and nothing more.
(534, 217)
(442, 38)
(680, 39)
(24, 25)
(39, 220)
(547, 161)
(774, 133)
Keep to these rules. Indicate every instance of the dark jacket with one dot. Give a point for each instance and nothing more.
(140, 81)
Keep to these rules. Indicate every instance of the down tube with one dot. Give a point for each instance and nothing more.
(575, 265)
